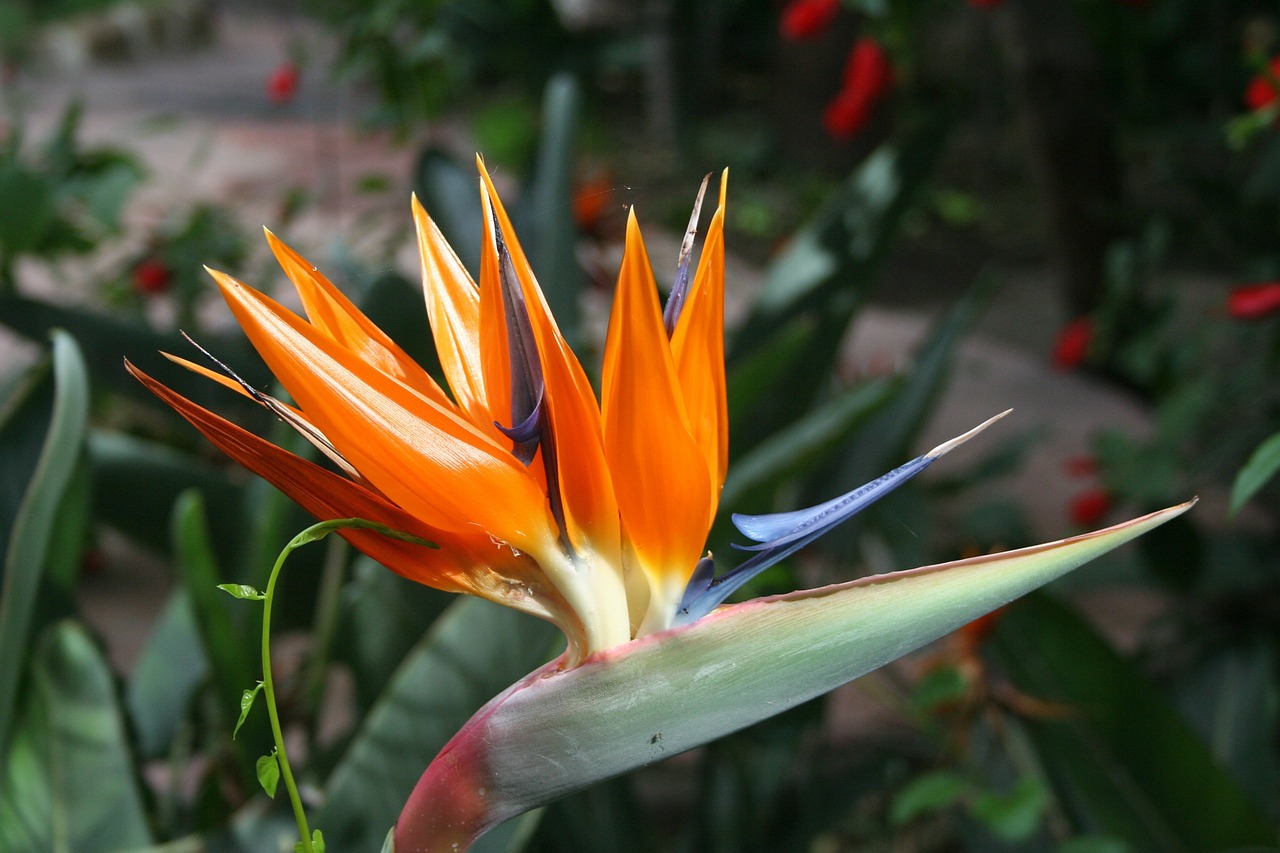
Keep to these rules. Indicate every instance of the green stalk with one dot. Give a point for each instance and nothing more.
(325, 619)
(268, 684)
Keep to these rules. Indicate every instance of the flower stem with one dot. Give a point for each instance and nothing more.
(268, 684)
(311, 534)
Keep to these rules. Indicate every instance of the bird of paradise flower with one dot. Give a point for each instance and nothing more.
(592, 514)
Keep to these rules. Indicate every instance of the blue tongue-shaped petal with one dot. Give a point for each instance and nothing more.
(533, 427)
(527, 432)
(527, 386)
(703, 574)
(680, 289)
(782, 534)
(784, 527)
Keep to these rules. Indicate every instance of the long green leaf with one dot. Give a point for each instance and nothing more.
(451, 195)
(105, 340)
(544, 215)
(555, 732)
(172, 665)
(794, 449)
(68, 783)
(152, 475)
(386, 616)
(1123, 762)
(25, 410)
(814, 289)
(1227, 699)
(887, 437)
(473, 651)
(230, 639)
(1261, 467)
(37, 523)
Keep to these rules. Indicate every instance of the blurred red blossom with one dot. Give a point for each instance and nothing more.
(282, 84)
(1255, 301)
(592, 195)
(151, 276)
(970, 636)
(1262, 91)
(1072, 344)
(1080, 466)
(985, 4)
(868, 77)
(806, 19)
(1088, 508)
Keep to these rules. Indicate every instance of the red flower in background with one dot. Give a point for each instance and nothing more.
(868, 77)
(985, 4)
(1072, 345)
(591, 196)
(1080, 466)
(972, 635)
(282, 85)
(151, 276)
(1254, 301)
(806, 19)
(1262, 91)
(1088, 508)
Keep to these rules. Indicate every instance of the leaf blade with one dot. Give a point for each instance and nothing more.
(555, 732)
(37, 516)
(68, 782)
(1261, 467)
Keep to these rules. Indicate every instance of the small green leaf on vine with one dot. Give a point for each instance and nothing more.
(269, 773)
(241, 590)
(246, 704)
(317, 843)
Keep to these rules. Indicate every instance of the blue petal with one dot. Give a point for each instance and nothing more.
(702, 576)
(527, 386)
(533, 427)
(787, 532)
(680, 289)
(782, 527)
(784, 533)
(526, 435)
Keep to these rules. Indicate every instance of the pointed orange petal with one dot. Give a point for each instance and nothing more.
(424, 457)
(291, 415)
(334, 314)
(453, 307)
(659, 472)
(221, 379)
(591, 510)
(455, 567)
(698, 349)
(495, 358)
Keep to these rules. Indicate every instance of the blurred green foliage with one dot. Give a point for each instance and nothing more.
(1040, 735)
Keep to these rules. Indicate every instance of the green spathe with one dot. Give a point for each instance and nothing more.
(555, 731)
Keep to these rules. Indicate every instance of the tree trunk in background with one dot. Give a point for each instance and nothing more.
(1060, 97)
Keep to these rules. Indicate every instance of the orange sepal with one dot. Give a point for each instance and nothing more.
(591, 509)
(456, 566)
(424, 457)
(495, 358)
(658, 469)
(453, 307)
(697, 346)
(337, 316)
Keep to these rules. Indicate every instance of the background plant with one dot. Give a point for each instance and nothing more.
(1012, 735)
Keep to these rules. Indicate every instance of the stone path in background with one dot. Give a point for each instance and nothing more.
(203, 124)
